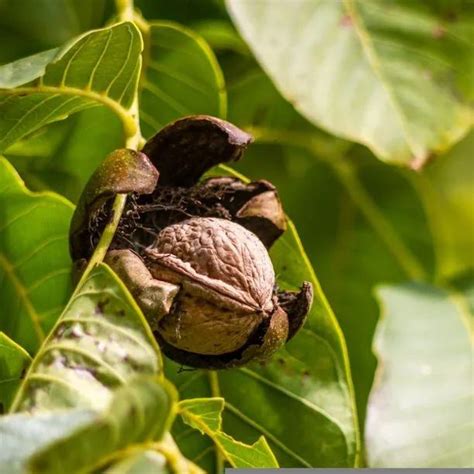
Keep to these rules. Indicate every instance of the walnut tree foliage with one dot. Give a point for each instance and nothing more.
(361, 113)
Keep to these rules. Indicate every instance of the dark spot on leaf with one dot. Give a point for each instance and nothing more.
(450, 16)
(23, 373)
(121, 312)
(100, 307)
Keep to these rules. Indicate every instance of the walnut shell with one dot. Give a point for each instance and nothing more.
(227, 282)
(193, 252)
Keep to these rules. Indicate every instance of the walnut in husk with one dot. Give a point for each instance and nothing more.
(194, 253)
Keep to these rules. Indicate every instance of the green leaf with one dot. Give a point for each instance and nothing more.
(23, 435)
(350, 256)
(365, 223)
(393, 75)
(143, 462)
(423, 392)
(182, 77)
(221, 36)
(29, 26)
(139, 412)
(255, 103)
(76, 439)
(205, 415)
(100, 67)
(62, 156)
(34, 259)
(27, 69)
(446, 188)
(14, 361)
(310, 377)
(100, 342)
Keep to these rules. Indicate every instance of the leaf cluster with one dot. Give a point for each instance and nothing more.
(362, 115)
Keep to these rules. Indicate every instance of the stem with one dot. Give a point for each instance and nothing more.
(133, 137)
(106, 237)
(129, 123)
(176, 461)
(97, 257)
(144, 28)
(216, 392)
(346, 174)
(124, 10)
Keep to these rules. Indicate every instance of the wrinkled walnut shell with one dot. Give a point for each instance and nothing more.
(193, 254)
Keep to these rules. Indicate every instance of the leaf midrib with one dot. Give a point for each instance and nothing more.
(374, 62)
(103, 99)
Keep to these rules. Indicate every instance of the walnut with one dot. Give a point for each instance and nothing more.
(227, 282)
(194, 253)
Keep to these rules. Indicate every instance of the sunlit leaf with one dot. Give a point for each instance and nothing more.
(75, 439)
(394, 75)
(446, 188)
(205, 415)
(98, 68)
(34, 259)
(139, 412)
(22, 434)
(143, 462)
(100, 342)
(14, 361)
(62, 156)
(419, 408)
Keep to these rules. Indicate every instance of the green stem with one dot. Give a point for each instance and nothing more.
(134, 140)
(216, 392)
(106, 237)
(347, 176)
(176, 461)
(124, 10)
